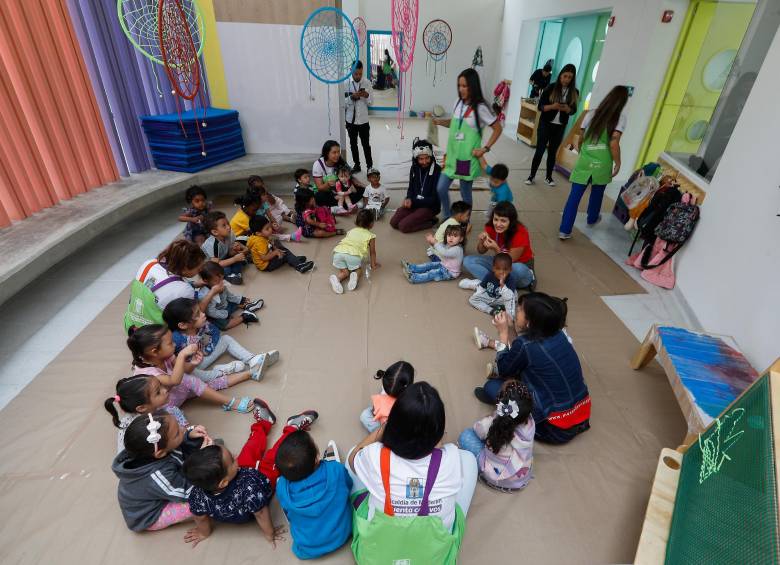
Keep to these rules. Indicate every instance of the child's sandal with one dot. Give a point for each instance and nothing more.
(243, 405)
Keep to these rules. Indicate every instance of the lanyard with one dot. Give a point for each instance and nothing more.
(465, 114)
(422, 182)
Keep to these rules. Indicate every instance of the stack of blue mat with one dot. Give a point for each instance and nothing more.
(175, 150)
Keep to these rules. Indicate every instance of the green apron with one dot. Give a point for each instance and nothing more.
(595, 162)
(462, 141)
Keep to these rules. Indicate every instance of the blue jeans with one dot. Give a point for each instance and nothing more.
(570, 209)
(234, 269)
(493, 387)
(429, 272)
(480, 265)
(443, 188)
(469, 441)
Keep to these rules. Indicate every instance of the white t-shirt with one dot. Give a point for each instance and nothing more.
(168, 292)
(376, 196)
(407, 483)
(621, 125)
(321, 169)
(486, 117)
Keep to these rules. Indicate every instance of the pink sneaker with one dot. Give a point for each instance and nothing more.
(297, 235)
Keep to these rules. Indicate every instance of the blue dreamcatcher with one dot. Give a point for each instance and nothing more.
(329, 48)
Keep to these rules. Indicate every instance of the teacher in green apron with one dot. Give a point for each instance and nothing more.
(464, 146)
(599, 161)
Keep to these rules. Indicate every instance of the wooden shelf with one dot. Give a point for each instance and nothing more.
(528, 122)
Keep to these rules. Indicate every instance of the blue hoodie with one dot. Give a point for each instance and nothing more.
(318, 509)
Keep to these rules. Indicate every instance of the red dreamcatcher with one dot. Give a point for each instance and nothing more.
(180, 59)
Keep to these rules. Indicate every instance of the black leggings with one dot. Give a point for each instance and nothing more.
(328, 197)
(549, 137)
(289, 258)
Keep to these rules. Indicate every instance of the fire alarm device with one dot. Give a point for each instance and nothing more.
(667, 16)
(611, 21)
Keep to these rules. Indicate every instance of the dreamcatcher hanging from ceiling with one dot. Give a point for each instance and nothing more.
(404, 19)
(437, 38)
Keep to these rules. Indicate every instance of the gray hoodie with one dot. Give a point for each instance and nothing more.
(147, 485)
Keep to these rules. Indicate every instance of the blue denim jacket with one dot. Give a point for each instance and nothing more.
(551, 370)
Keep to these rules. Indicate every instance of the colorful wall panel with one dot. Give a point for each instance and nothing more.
(54, 142)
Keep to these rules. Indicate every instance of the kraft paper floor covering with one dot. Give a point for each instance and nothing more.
(585, 505)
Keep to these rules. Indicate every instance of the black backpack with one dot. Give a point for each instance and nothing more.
(674, 230)
(654, 214)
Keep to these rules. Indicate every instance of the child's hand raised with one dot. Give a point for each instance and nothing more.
(191, 349)
(429, 237)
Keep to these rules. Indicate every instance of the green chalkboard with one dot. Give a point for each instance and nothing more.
(726, 506)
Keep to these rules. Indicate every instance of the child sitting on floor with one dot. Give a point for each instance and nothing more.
(250, 204)
(460, 215)
(195, 213)
(152, 489)
(189, 325)
(225, 309)
(268, 255)
(222, 248)
(314, 221)
(352, 251)
(278, 212)
(499, 188)
(395, 379)
(314, 495)
(450, 255)
(239, 490)
(503, 442)
(303, 181)
(342, 191)
(375, 198)
(497, 292)
(153, 356)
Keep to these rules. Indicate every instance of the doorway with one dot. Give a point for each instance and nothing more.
(383, 70)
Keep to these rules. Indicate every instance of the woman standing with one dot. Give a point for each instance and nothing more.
(599, 161)
(324, 172)
(557, 103)
(387, 69)
(464, 146)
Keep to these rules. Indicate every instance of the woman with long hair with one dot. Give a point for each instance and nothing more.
(599, 161)
(324, 173)
(557, 102)
(464, 147)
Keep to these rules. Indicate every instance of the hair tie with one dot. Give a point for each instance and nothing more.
(508, 408)
(116, 398)
(153, 426)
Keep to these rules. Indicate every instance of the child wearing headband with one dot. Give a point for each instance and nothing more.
(503, 442)
(153, 490)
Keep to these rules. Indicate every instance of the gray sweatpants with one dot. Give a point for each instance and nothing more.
(483, 302)
(225, 343)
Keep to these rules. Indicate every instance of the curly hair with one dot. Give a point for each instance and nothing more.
(502, 429)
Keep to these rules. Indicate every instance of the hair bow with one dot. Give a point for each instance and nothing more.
(508, 408)
(154, 436)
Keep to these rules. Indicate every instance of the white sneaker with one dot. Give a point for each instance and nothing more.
(353, 280)
(230, 368)
(564, 236)
(549, 182)
(529, 181)
(261, 362)
(331, 452)
(336, 285)
(469, 284)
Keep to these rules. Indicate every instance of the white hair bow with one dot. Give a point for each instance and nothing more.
(154, 436)
(508, 408)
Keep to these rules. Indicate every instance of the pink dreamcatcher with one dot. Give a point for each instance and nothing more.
(404, 17)
(360, 28)
(180, 58)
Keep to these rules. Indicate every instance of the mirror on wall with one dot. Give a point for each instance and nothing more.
(384, 70)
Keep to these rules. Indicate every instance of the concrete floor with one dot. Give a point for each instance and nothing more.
(39, 321)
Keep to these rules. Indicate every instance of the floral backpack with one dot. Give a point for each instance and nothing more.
(679, 221)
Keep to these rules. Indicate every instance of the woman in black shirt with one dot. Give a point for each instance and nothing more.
(557, 102)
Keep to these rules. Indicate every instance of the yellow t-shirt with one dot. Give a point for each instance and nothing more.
(258, 246)
(439, 235)
(239, 223)
(355, 242)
